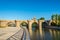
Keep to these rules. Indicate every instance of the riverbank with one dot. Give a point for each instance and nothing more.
(53, 27)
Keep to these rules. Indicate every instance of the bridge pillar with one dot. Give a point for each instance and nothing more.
(50, 22)
(17, 23)
(40, 24)
(29, 25)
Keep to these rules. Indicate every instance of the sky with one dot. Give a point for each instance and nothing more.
(27, 9)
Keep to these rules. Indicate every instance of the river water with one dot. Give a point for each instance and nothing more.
(44, 34)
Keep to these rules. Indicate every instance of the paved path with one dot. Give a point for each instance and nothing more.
(17, 36)
(14, 33)
(7, 32)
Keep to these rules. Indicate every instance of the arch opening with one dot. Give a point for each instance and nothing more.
(34, 26)
(44, 24)
(11, 24)
(24, 24)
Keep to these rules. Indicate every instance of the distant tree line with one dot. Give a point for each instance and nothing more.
(55, 17)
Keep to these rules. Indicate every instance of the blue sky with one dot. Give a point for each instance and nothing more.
(27, 9)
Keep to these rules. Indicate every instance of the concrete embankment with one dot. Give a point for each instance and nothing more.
(26, 35)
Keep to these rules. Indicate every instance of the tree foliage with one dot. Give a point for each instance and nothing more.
(42, 18)
(56, 17)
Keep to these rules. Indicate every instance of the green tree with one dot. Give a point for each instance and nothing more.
(59, 17)
(56, 17)
(42, 18)
(59, 20)
(53, 17)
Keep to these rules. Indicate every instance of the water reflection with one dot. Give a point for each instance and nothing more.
(30, 31)
(41, 34)
(45, 34)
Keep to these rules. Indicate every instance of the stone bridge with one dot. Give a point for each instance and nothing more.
(17, 23)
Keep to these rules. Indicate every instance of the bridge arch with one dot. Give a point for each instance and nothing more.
(34, 26)
(44, 24)
(11, 24)
(25, 24)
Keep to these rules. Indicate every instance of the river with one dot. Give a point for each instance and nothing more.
(44, 34)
